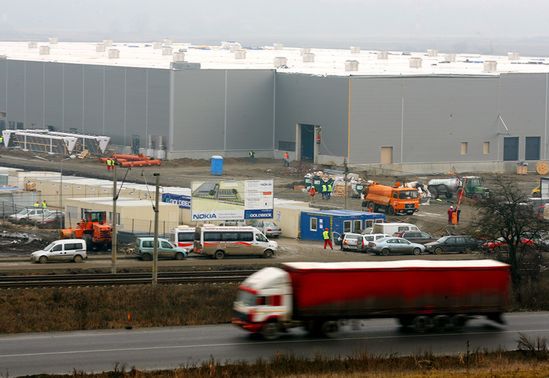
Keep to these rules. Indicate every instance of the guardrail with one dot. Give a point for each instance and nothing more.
(101, 279)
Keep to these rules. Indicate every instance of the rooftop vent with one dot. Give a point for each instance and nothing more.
(432, 53)
(107, 42)
(32, 45)
(308, 58)
(53, 40)
(278, 46)
(240, 54)
(178, 66)
(179, 57)
(415, 62)
(100, 47)
(383, 55)
(113, 54)
(490, 66)
(44, 50)
(351, 65)
(167, 50)
(355, 50)
(513, 55)
(450, 58)
(305, 50)
(157, 45)
(280, 62)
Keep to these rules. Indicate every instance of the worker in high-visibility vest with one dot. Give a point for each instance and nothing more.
(1, 140)
(330, 189)
(324, 190)
(110, 164)
(327, 238)
(36, 204)
(44, 204)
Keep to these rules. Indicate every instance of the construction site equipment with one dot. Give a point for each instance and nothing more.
(93, 229)
(131, 160)
(391, 200)
(472, 185)
(53, 142)
(542, 168)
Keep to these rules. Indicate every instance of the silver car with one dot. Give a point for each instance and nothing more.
(387, 246)
(29, 214)
(269, 228)
(62, 250)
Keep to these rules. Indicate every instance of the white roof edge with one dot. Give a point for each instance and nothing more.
(484, 263)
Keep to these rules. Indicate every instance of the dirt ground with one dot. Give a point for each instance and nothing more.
(181, 172)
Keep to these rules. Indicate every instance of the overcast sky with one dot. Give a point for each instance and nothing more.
(458, 25)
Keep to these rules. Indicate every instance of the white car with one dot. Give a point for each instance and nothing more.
(29, 214)
(62, 250)
(359, 242)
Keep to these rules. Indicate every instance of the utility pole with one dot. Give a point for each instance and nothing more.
(345, 173)
(155, 247)
(114, 240)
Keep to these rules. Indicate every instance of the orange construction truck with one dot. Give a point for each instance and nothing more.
(391, 199)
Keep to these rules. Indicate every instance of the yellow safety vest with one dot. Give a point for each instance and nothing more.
(44, 205)
(329, 187)
(36, 204)
(324, 189)
(326, 235)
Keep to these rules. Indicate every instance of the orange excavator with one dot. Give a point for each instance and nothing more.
(93, 229)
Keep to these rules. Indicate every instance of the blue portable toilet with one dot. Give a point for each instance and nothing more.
(216, 165)
(313, 223)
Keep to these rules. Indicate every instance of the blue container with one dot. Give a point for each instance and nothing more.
(217, 165)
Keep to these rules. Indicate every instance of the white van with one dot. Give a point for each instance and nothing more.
(183, 236)
(392, 228)
(239, 240)
(62, 250)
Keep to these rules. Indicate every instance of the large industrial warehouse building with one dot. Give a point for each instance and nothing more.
(423, 112)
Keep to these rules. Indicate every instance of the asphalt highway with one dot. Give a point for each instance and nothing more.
(159, 348)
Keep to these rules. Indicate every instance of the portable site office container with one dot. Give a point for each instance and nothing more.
(313, 223)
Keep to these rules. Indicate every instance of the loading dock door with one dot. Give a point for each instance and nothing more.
(386, 156)
(510, 148)
(307, 142)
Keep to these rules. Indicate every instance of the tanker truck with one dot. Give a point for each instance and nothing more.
(423, 294)
(391, 199)
(448, 187)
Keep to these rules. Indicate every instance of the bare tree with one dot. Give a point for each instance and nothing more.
(509, 214)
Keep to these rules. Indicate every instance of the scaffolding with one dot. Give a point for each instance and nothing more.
(53, 142)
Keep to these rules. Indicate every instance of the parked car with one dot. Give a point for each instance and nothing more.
(393, 227)
(166, 249)
(269, 228)
(360, 242)
(416, 236)
(29, 214)
(62, 250)
(55, 219)
(500, 244)
(453, 243)
(386, 246)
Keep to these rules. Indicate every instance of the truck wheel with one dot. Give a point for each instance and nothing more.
(390, 210)
(43, 260)
(441, 322)
(219, 254)
(78, 259)
(146, 257)
(268, 253)
(422, 323)
(329, 328)
(270, 331)
(417, 251)
(385, 251)
(449, 195)
(458, 322)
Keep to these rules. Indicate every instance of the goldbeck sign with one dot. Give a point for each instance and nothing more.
(231, 200)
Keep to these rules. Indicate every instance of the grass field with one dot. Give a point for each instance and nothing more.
(529, 361)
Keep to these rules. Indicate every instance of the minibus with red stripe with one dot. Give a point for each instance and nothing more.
(221, 241)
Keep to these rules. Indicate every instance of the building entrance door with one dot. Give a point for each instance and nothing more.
(307, 142)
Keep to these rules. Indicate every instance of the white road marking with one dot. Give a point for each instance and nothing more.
(259, 343)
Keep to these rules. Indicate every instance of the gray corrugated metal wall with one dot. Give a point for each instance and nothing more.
(223, 110)
(313, 100)
(115, 101)
(434, 115)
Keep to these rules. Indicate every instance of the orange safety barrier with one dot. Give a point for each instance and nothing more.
(132, 157)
